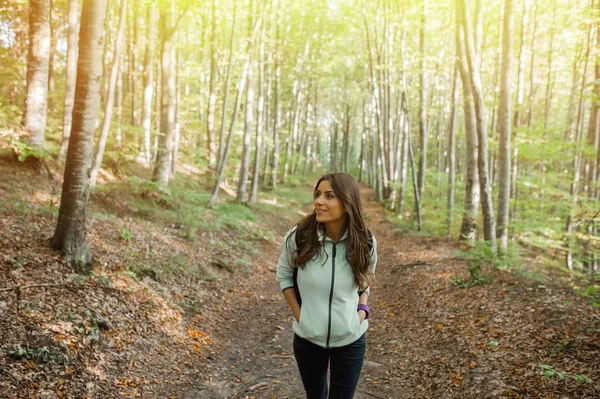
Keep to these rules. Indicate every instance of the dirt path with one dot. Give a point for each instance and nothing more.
(427, 339)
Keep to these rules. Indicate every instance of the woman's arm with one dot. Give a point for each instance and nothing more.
(292, 301)
(285, 272)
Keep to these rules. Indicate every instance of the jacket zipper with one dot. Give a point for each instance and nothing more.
(331, 295)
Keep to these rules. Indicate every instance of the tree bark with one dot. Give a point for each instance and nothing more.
(423, 128)
(70, 74)
(133, 66)
(505, 125)
(38, 59)
(451, 168)
(472, 191)
(212, 95)
(260, 117)
(148, 81)
(277, 95)
(219, 152)
(162, 168)
(240, 92)
(242, 191)
(532, 68)
(110, 97)
(70, 236)
(489, 226)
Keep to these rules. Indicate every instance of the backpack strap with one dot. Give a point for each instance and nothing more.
(295, 276)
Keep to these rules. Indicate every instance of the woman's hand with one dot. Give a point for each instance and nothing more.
(361, 316)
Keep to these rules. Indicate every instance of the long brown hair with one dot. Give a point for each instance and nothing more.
(359, 244)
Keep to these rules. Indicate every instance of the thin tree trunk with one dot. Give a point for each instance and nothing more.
(259, 117)
(594, 122)
(505, 125)
(176, 58)
(71, 72)
(423, 128)
(451, 168)
(240, 92)
(414, 180)
(162, 167)
(489, 226)
(53, 41)
(38, 59)
(148, 81)
(242, 191)
(133, 67)
(346, 140)
(549, 85)
(277, 95)
(577, 159)
(531, 68)
(472, 191)
(119, 107)
(70, 235)
(212, 95)
(226, 90)
(110, 98)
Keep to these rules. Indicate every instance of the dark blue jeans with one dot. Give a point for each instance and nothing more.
(346, 363)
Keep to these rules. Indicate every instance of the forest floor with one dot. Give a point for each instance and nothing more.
(208, 321)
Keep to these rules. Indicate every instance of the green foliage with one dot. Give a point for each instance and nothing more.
(549, 371)
(104, 281)
(139, 273)
(125, 234)
(25, 151)
(475, 278)
(39, 355)
(592, 293)
(481, 257)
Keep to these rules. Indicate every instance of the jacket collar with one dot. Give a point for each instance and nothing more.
(321, 233)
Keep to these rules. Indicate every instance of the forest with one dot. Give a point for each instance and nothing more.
(154, 152)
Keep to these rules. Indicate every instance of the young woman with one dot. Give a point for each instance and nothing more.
(334, 256)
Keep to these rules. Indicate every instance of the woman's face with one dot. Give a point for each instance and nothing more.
(328, 206)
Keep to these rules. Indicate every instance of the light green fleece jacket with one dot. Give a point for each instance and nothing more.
(328, 315)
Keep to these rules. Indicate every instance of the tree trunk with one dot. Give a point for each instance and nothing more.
(133, 67)
(549, 85)
(148, 81)
(240, 92)
(212, 95)
(505, 125)
(531, 68)
(53, 40)
(110, 97)
(347, 138)
(162, 168)
(219, 153)
(242, 192)
(38, 59)
(258, 149)
(277, 95)
(594, 122)
(70, 236)
(472, 192)
(176, 59)
(489, 226)
(119, 106)
(70, 74)
(414, 179)
(423, 128)
(451, 168)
